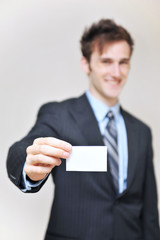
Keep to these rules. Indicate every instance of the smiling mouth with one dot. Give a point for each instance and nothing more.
(112, 81)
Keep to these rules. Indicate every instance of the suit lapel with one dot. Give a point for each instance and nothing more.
(82, 113)
(132, 138)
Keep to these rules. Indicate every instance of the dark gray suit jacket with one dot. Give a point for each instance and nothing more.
(85, 205)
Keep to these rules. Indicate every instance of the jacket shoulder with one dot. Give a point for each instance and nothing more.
(56, 106)
(136, 121)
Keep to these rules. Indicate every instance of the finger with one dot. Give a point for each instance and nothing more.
(47, 150)
(42, 159)
(32, 170)
(54, 142)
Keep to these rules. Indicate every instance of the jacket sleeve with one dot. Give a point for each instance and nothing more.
(150, 210)
(17, 152)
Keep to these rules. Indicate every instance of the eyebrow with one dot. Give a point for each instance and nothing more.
(111, 59)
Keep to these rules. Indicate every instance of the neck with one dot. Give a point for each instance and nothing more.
(110, 102)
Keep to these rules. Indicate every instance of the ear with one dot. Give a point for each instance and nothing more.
(85, 65)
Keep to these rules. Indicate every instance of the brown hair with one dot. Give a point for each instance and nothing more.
(100, 33)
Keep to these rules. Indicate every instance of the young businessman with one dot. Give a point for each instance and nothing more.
(120, 204)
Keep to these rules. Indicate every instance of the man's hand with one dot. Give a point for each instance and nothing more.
(43, 155)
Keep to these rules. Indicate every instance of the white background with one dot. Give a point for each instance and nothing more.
(39, 62)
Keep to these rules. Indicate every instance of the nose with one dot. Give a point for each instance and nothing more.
(116, 70)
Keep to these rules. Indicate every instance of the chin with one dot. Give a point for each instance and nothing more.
(112, 96)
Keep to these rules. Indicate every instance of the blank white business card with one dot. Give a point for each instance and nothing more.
(87, 158)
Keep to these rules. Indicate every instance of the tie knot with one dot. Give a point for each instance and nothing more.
(110, 115)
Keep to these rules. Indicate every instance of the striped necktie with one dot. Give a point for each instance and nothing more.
(110, 140)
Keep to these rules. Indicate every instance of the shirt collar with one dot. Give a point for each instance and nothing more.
(100, 109)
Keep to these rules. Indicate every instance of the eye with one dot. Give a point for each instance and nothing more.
(106, 61)
(124, 62)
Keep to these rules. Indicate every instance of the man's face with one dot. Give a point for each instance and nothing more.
(108, 71)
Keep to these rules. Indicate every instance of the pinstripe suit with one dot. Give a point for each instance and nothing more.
(85, 205)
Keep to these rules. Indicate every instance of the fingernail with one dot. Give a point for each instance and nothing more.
(68, 146)
(66, 154)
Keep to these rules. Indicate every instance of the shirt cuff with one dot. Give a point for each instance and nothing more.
(29, 184)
